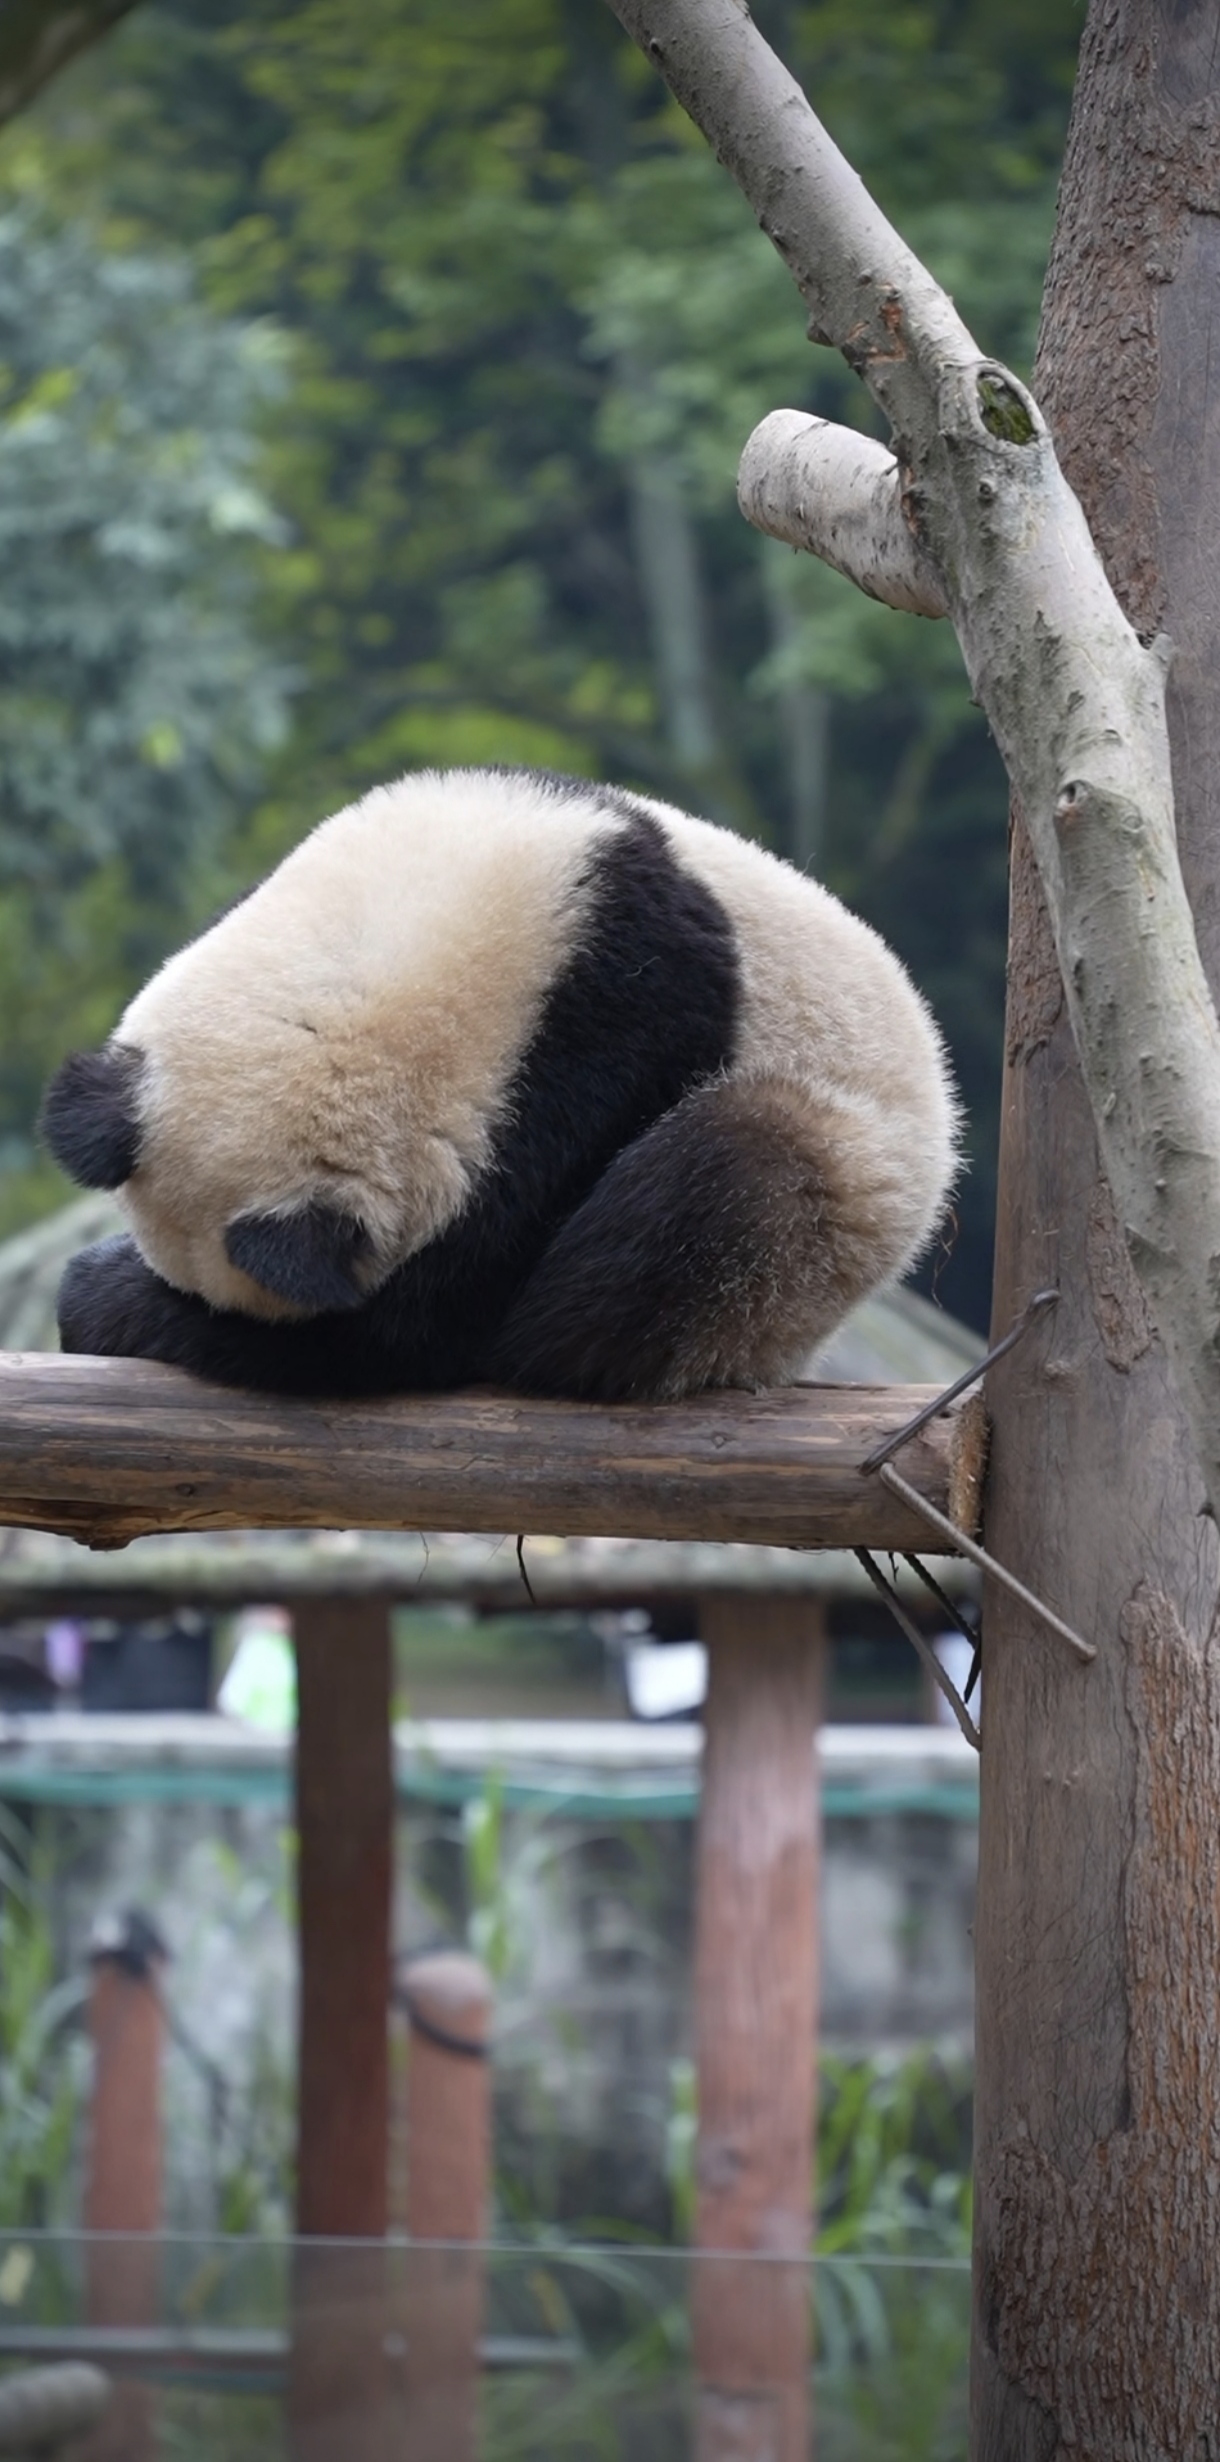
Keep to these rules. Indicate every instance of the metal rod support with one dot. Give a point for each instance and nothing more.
(940, 1522)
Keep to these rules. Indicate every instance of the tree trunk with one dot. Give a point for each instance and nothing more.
(123, 2168)
(1098, 2113)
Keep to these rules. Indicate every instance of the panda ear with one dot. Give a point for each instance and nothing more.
(305, 1257)
(90, 1117)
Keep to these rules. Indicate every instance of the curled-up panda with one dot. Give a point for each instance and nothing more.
(511, 1078)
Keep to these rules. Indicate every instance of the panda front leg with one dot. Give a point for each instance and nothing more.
(112, 1305)
(718, 1249)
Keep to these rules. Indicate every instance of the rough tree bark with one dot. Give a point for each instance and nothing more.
(1098, 2112)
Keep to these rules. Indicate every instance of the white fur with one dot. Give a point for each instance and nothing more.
(415, 933)
(828, 1007)
(353, 1028)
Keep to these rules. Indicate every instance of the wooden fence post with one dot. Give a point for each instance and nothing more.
(345, 1834)
(345, 1826)
(756, 2026)
(123, 2173)
(448, 2000)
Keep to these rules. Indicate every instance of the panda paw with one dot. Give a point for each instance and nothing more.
(111, 1305)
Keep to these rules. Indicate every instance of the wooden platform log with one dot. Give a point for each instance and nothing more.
(105, 1450)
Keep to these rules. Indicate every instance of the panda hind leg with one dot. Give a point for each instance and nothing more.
(712, 1252)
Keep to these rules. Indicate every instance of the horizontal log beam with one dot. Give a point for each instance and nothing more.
(43, 1575)
(106, 1450)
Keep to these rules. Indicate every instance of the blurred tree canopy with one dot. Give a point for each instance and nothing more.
(523, 325)
(138, 696)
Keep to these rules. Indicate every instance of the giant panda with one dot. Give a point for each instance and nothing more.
(511, 1078)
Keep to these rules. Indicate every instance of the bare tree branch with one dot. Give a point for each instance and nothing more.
(1075, 701)
(838, 495)
(39, 37)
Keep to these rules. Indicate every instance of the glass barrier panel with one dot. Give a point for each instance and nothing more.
(343, 2351)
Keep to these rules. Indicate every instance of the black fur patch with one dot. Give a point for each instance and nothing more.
(704, 1251)
(89, 1119)
(112, 1306)
(646, 1007)
(305, 1257)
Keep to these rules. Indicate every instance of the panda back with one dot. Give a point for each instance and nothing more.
(826, 1006)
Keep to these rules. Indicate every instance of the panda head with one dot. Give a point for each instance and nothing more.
(311, 1091)
(305, 1248)
(273, 1162)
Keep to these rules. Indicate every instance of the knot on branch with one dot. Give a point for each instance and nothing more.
(1006, 409)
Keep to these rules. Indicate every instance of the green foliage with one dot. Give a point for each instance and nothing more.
(520, 300)
(249, 2144)
(511, 266)
(137, 703)
(682, 2146)
(891, 2382)
(892, 2161)
(256, 2159)
(892, 2284)
(130, 701)
(511, 1862)
(42, 2061)
(891, 2281)
(489, 1916)
(194, 2425)
(893, 2165)
(624, 2397)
